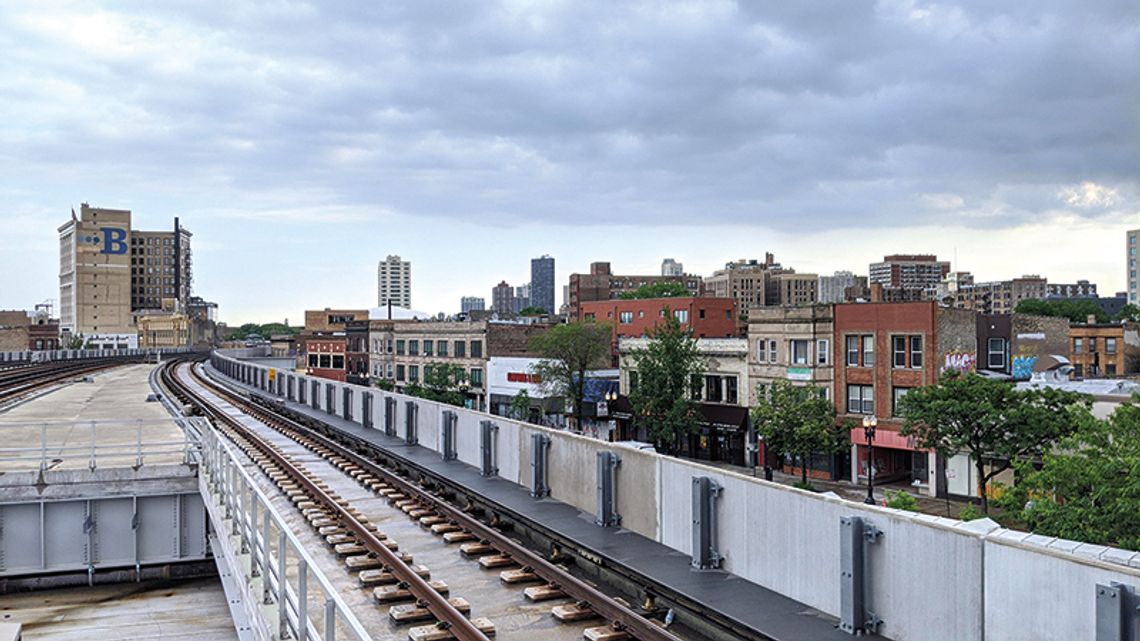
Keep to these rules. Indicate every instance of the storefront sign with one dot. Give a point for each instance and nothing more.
(799, 373)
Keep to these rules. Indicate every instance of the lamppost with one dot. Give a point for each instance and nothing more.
(869, 424)
(610, 396)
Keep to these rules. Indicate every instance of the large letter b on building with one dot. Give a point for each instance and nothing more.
(114, 240)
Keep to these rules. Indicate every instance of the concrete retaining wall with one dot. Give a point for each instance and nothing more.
(931, 578)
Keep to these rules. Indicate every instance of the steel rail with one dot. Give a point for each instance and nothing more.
(601, 603)
(23, 382)
(457, 623)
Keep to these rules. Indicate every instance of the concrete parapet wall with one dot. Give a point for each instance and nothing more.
(931, 578)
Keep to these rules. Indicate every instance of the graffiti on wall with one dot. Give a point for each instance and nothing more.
(960, 361)
(1022, 368)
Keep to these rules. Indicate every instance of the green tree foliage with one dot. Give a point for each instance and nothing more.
(665, 372)
(990, 420)
(442, 383)
(265, 330)
(1076, 310)
(532, 310)
(666, 289)
(796, 420)
(1088, 489)
(386, 385)
(520, 406)
(567, 352)
(901, 500)
(1129, 312)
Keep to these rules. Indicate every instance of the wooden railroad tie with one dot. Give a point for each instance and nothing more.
(411, 612)
(400, 592)
(438, 633)
(384, 576)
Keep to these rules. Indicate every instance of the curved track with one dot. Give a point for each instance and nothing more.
(21, 381)
(580, 600)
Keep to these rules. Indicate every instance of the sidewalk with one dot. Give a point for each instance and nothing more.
(850, 491)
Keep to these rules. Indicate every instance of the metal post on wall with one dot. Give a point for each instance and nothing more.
(855, 538)
(705, 492)
(411, 422)
(607, 515)
(447, 451)
(488, 458)
(539, 486)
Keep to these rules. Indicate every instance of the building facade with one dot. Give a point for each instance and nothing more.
(1104, 350)
(670, 267)
(1130, 243)
(164, 330)
(325, 357)
(542, 283)
(705, 316)
(471, 303)
(909, 272)
(602, 284)
(503, 299)
(95, 273)
(833, 289)
(394, 282)
(161, 268)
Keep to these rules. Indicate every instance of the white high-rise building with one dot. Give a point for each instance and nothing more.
(394, 282)
(832, 288)
(670, 267)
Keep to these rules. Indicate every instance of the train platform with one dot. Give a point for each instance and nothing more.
(101, 421)
(751, 606)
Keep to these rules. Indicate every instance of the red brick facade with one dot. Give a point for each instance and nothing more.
(326, 357)
(708, 317)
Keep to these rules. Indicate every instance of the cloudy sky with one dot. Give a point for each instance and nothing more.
(301, 142)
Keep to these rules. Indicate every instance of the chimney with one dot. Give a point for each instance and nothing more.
(1091, 320)
(876, 292)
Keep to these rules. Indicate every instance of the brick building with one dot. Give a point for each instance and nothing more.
(883, 350)
(1104, 350)
(602, 284)
(325, 357)
(708, 317)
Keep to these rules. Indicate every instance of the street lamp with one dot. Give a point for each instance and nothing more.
(611, 396)
(869, 424)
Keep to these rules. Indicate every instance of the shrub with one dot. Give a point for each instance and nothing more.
(901, 500)
(969, 513)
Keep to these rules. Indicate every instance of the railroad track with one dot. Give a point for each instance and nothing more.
(392, 575)
(21, 381)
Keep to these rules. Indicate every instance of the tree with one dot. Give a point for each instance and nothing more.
(1088, 489)
(532, 310)
(796, 420)
(990, 420)
(442, 383)
(520, 406)
(665, 289)
(1076, 310)
(567, 352)
(386, 385)
(665, 372)
(1129, 312)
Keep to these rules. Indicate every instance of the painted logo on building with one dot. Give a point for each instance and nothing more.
(111, 240)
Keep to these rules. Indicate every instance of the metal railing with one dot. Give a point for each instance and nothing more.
(97, 443)
(259, 533)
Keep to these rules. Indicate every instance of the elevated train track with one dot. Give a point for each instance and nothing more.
(17, 382)
(346, 528)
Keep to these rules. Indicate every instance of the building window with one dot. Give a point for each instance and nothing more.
(869, 351)
(1110, 346)
(897, 394)
(441, 348)
(701, 314)
(400, 348)
(413, 373)
(916, 352)
(996, 352)
(476, 349)
(713, 389)
(313, 360)
(399, 372)
(860, 399)
(460, 349)
(632, 381)
(1092, 344)
(476, 377)
(1110, 369)
(1078, 370)
(853, 351)
(338, 361)
(389, 346)
(730, 392)
(799, 355)
(761, 350)
(695, 387)
(325, 361)
(413, 348)
(1078, 345)
(682, 315)
(898, 350)
(822, 351)
(772, 351)
(428, 345)
(626, 318)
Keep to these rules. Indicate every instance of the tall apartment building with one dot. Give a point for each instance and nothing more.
(161, 269)
(796, 290)
(1130, 264)
(759, 284)
(503, 299)
(670, 267)
(471, 303)
(522, 298)
(833, 289)
(909, 272)
(602, 284)
(542, 283)
(394, 282)
(109, 274)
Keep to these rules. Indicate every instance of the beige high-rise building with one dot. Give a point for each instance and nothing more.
(160, 269)
(95, 272)
(394, 282)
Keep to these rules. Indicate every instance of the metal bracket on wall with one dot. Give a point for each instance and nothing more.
(855, 538)
(607, 515)
(447, 452)
(411, 422)
(389, 416)
(488, 465)
(538, 485)
(1117, 612)
(705, 492)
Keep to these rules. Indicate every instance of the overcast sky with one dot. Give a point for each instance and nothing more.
(302, 142)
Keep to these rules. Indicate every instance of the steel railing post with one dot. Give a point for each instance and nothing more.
(282, 607)
(302, 600)
(330, 619)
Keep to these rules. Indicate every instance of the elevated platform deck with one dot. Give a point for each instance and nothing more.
(749, 605)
